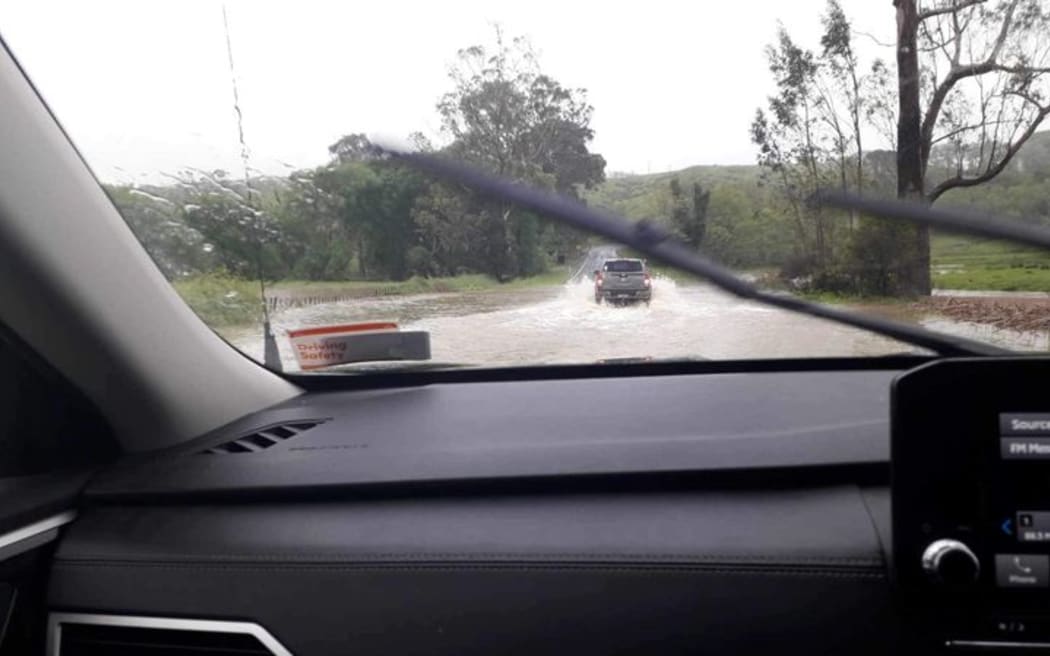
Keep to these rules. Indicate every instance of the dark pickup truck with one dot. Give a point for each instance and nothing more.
(623, 280)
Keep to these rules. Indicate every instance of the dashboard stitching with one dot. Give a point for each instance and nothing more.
(452, 567)
(509, 556)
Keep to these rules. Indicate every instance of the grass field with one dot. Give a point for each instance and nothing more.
(965, 263)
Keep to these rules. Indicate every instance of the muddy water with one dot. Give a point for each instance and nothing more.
(563, 324)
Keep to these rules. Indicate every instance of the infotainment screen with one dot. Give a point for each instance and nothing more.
(970, 459)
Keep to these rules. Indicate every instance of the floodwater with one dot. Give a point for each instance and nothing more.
(563, 324)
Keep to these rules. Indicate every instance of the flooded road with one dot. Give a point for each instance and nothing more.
(563, 324)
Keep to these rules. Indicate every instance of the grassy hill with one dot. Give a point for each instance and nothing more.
(745, 231)
(644, 196)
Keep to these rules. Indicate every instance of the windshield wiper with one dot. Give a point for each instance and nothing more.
(959, 221)
(646, 237)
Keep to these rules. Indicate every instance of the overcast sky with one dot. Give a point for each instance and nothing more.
(144, 86)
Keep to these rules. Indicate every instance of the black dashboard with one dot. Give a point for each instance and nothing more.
(719, 512)
(512, 430)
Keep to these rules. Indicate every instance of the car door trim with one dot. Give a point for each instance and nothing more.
(33, 535)
(56, 620)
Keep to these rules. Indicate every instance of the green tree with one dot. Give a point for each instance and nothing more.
(367, 203)
(794, 145)
(316, 243)
(689, 215)
(451, 226)
(679, 206)
(246, 240)
(742, 231)
(698, 224)
(158, 222)
(378, 202)
(352, 148)
(843, 102)
(505, 116)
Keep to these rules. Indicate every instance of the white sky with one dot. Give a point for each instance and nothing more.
(144, 86)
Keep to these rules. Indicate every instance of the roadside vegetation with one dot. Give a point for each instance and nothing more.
(363, 217)
(365, 225)
(221, 300)
(964, 95)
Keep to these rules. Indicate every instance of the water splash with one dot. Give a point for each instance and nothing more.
(563, 324)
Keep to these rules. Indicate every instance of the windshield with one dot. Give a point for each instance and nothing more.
(237, 141)
(623, 266)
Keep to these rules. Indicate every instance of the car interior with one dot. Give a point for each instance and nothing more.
(161, 493)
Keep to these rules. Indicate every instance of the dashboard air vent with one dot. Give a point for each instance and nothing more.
(109, 635)
(264, 438)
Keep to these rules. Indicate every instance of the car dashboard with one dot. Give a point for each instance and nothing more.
(717, 512)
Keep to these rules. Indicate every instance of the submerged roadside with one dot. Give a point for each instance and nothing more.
(227, 302)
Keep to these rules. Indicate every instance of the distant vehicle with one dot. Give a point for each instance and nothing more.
(623, 280)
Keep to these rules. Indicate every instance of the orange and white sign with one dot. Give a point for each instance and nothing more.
(330, 345)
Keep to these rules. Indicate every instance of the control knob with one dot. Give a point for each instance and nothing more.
(950, 562)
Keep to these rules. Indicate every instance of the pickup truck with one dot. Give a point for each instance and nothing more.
(623, 280)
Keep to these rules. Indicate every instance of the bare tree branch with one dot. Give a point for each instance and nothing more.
(985, 100)
(1021, 70)
(958, 73)
(958, 30)
(940, 43)
(949, 82)
(1004, 31)
(960, 130)
(874, 39)
(953, 8)
(993, 170)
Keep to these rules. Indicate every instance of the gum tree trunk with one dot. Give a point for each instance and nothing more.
(914, 264)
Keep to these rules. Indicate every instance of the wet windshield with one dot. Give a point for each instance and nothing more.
(623, 266)
(242, 158)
